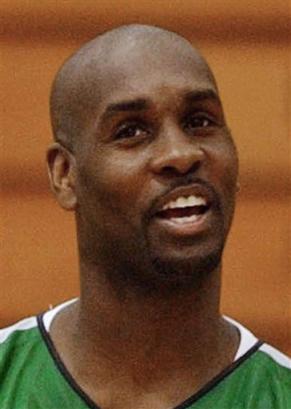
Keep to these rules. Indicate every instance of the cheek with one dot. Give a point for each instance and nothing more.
(229, 185)
(225, 166)
(113, 184)
(224, 172)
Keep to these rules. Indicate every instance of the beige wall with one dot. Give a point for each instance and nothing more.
(248, 47)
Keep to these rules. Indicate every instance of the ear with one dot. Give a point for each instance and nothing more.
(62, 175)
(237, 187)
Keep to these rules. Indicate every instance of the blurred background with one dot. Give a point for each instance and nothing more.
(248, 45)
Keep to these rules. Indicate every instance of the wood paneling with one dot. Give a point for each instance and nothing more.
(231, 20)
(247, 46)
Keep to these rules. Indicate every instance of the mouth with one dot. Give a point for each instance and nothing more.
(185, 210)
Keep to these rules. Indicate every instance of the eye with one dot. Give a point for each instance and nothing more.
(131, 130)
(198, 121)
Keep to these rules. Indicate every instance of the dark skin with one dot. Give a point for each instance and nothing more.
(152, 129)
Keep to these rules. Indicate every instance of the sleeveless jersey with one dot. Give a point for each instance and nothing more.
(32, 375)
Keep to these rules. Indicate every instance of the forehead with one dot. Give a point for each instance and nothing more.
(149, 70)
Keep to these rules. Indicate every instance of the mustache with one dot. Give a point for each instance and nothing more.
(186, 181)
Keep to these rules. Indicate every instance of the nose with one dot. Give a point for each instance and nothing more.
(175, 153)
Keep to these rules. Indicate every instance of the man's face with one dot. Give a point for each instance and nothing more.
(156, 169)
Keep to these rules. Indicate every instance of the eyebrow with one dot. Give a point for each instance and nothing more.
(201, 95)
(141, 104)
(136, 105)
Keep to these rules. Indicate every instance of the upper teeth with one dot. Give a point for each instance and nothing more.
(181, 202)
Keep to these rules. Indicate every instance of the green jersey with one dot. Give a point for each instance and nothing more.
(32, 375)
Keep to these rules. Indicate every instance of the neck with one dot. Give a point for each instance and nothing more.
(134, 319)
(122, 342)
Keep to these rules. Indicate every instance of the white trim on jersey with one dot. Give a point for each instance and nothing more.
(50, 315)
(26, 323)
(247, 338)
(276, 355)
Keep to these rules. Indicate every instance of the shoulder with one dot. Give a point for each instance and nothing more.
(16, 342)
(25, 340)
(29, 377)
(250, 343)
(274, 362)
(11, 335)
(27, 333)
(26, 363)
(261, 374)
(265, 377)
(20, 350)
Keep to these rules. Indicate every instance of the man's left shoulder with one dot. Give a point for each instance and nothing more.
(272, 361)
(264, 379)
(259, 377)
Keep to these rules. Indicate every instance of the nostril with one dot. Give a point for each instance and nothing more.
(169, 171)
(175, 170)
(181, 168)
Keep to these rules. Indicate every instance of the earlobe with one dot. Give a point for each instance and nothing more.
(237, 187)
(62, 173)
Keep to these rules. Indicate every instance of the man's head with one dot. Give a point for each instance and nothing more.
(144, 155)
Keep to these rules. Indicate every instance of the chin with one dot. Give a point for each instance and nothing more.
(186, 272)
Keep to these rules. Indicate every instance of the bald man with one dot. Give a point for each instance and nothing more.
(144, 157)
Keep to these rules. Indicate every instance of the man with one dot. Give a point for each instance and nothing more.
(143, 156)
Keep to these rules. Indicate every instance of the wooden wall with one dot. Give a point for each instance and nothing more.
(248, 46)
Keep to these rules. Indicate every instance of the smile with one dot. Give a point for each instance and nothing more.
(185, 211)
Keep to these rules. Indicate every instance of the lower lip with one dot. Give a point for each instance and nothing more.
(187, 227)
